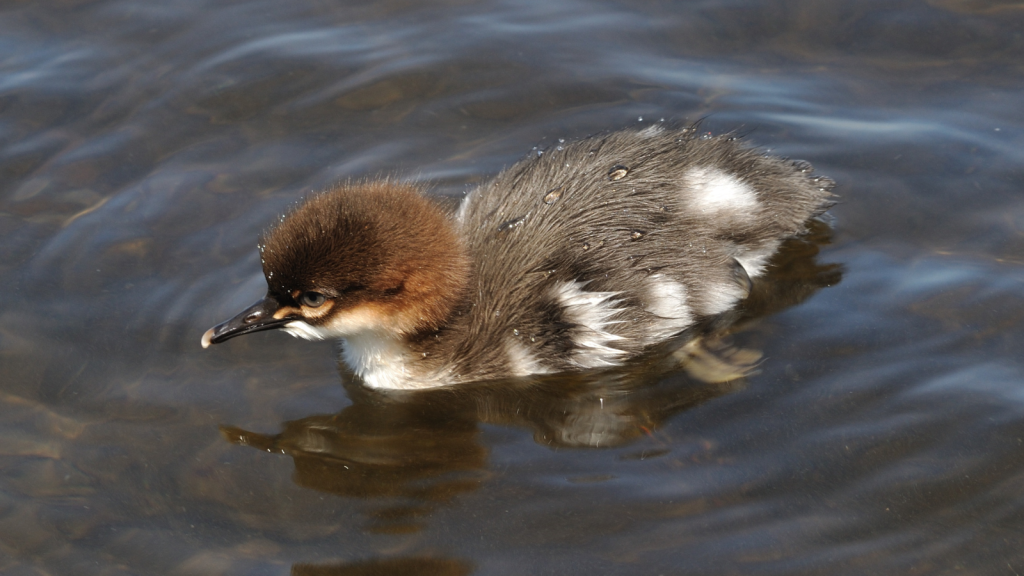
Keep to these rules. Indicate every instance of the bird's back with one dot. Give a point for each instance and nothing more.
(594, 250)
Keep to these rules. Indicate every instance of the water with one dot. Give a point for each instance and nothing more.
(879, 427)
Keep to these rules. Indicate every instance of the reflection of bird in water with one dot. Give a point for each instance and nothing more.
(401, 452)
(584, 257)
(422, 449)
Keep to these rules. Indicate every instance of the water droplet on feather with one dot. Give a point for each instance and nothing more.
(617, 172)
(513, 223)
(553, 195)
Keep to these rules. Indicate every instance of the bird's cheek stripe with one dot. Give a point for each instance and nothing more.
(286, 311)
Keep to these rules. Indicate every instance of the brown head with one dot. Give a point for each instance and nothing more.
(371, 256)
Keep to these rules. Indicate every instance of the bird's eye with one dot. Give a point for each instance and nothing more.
(312, 299)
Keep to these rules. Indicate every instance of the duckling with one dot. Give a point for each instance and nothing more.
(580, 258)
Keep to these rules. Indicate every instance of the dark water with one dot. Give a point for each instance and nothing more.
(144, 145)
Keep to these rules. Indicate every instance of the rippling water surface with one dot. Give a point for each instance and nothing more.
(144, 146)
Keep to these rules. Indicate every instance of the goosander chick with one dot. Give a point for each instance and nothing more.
(580, 258)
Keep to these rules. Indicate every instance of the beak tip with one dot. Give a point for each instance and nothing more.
(258, 317)
(207, 337)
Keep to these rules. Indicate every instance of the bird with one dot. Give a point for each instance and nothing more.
(580, 257)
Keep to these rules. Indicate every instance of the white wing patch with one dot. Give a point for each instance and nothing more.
(592, 312)
(753, 261)
(521, 362)
(714, 191)
(722, 297)
(666, 299)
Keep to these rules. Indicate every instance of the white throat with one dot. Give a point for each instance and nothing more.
(380, 358)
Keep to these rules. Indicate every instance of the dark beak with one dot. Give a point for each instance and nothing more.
(255, 318)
